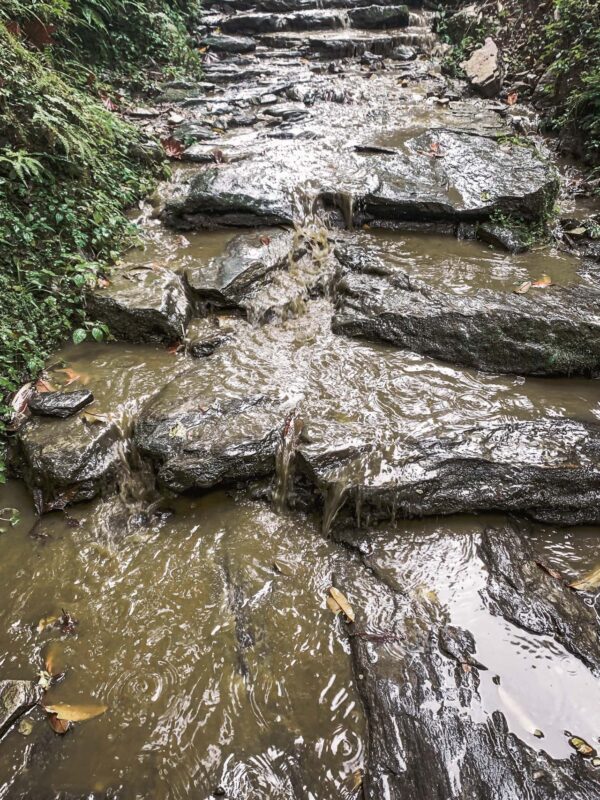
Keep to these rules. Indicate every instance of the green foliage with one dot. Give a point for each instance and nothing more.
(123, 36)
(573, 52)
(68, 170)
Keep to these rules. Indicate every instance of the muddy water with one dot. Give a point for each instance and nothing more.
(206, 634)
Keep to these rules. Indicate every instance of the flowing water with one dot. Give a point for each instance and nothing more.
(203, 623)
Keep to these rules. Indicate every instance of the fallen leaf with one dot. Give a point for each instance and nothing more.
(53, 660)
(60, 726)
(357, 779)
(334, 606)
(69, 713)
(20, 401)
(523, 288)
(342, 602)
(584, 749)
(543, 282)
(218, 156)
(43, 386)
(466, 667)
(512, 98)
(38, 33)
(46, 622)
(538, 733)
(266, 240)
(554, 573)
(174, 348)
(173, 147)
(436, 150)
(103, 283)
(108, 104)
(588, 583)
(92, 418)
(74, 377)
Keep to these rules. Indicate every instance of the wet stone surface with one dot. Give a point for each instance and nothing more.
(276, 421)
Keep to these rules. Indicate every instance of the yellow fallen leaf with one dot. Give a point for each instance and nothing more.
(343, 603)
(69, 713)
(46, 622)
(333, 606)
(543, 282)
(588, 583)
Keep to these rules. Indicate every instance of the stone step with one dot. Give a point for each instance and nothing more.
(369, 17)
(287, 6)
(350, 43)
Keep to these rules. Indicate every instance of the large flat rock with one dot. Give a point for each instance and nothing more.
(427, 737)
(375, 16)
(547, 469)
(471, 178)
(549, 332)
(145, 303)
(211, 427)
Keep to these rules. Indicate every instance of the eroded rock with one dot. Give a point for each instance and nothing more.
(548, 470)
(142, 304)
(204, 430)
(66, 461)
(483, 69)
(16, 699)
(550, 332)
(248, 260)
(420, 694)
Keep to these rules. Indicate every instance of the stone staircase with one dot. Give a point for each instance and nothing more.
(333, 29)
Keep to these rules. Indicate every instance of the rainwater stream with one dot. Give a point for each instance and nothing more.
(203, 623)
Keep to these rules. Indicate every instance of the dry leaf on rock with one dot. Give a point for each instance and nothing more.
(337, 600)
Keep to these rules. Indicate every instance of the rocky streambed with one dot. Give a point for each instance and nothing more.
(341, 361)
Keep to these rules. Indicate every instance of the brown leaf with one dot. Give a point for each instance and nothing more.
(543, 282)
(108, 104)
(554, 573)
(218, 156)
(174, 348)
(173, 147)
(20, 400)
(46, 622)
(69, 713)
(43, 387)
(436, 150)
(342, 602)
(266, 240)
(60, 726)
(92, 417)
(73, 376)
(13, 28)
(512, 98)
(103, 283)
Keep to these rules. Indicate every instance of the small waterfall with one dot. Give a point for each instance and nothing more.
(333, 502)
(284, 461)
(345, 202)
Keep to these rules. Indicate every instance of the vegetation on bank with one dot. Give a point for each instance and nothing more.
(551, 50)
(69, 167)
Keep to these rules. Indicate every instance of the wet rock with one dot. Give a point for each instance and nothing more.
(60, 404)
(553, 331)
(546, 470)
(142, 304)
(16, 699)
(403, 53)
(227, 280)
(230, 44)
(472, 178)
(379, 16)
(205, 336)
(412, 722)
(483, 69)
(509, 239)
(202, 431)
(337, 44)
(524, 594)
(66, 461)
(310, 20)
